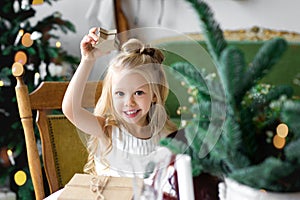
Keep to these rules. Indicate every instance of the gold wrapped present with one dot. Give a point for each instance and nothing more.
(91, 187)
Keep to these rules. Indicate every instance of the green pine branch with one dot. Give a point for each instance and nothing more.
(247, 117)
(268, 175)
(54, 22)
(41, 51)
(208, 88)
(265, 59)
(263, 100)
(191, 76)
(290, 115)
(232, 67)
(232, 145)
(247, 126)
(211, 29)
(292, 151)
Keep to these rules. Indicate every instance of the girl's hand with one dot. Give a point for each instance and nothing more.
(88, 51)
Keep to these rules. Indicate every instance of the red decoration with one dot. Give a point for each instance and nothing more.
(4, 160)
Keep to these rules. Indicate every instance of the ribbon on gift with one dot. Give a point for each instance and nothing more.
(80, 187)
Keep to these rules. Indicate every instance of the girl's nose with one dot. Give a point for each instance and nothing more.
(130, 101)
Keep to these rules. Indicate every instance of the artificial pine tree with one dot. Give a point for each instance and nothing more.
(237, 119)
(38, 53)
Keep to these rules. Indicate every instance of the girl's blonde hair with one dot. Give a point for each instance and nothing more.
(147, 61)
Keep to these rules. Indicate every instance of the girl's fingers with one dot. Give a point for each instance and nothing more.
(89, 39)
(93, 33)
(87, 48)
(93, 30)
(86, 45)
(86, 41)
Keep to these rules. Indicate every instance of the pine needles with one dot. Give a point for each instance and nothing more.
(235, 118)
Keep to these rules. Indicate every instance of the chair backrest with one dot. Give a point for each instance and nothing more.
(63, 153)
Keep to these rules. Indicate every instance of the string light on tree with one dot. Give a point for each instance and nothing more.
(11, 157)
(20, 177)
(36, 78)
(26, 40)
(29, 46)
(282, 130)
(58, 44)
(278, 142)
(21, 57)
(279, 139)
(19, 36)
(17, 65)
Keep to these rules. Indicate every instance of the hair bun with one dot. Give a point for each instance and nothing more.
(132, 46)
(136, 46)
(147, 51)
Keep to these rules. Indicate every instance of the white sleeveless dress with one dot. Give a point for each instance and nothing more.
(129, 155)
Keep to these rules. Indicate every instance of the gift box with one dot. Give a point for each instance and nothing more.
(91, 187)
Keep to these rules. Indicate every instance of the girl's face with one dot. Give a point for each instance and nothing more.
(131, 97)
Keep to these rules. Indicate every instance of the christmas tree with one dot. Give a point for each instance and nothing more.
(240, 128)
(38, 49)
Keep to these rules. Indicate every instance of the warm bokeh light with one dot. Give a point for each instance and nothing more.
(178, 111)
(58, 44)
(191, 99)
(19, 36)
(278, 142)
(37, 2)
(183, 123)
(17, 65)
(282, 130)
(20, 178)
(17, 69)
(21, 57)
(1, 83)
(10, 156)
(9, 152)
(26, 40)
(21, 32)
(36, 78)
(37, 75)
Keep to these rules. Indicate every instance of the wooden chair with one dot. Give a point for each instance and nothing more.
(63, 153)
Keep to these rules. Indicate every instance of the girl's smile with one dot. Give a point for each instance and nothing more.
(131, 113)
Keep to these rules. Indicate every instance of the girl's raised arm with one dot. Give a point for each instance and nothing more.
(71, 106)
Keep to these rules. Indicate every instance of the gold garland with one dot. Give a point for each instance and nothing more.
(260, 34)
(253, 34)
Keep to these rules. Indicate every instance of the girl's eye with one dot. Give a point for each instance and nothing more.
(139, 93)
(120, 94)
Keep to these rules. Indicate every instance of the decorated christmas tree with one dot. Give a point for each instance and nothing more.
(240, 128)
(37, 48)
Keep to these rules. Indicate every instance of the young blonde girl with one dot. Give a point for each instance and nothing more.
(129, 118)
